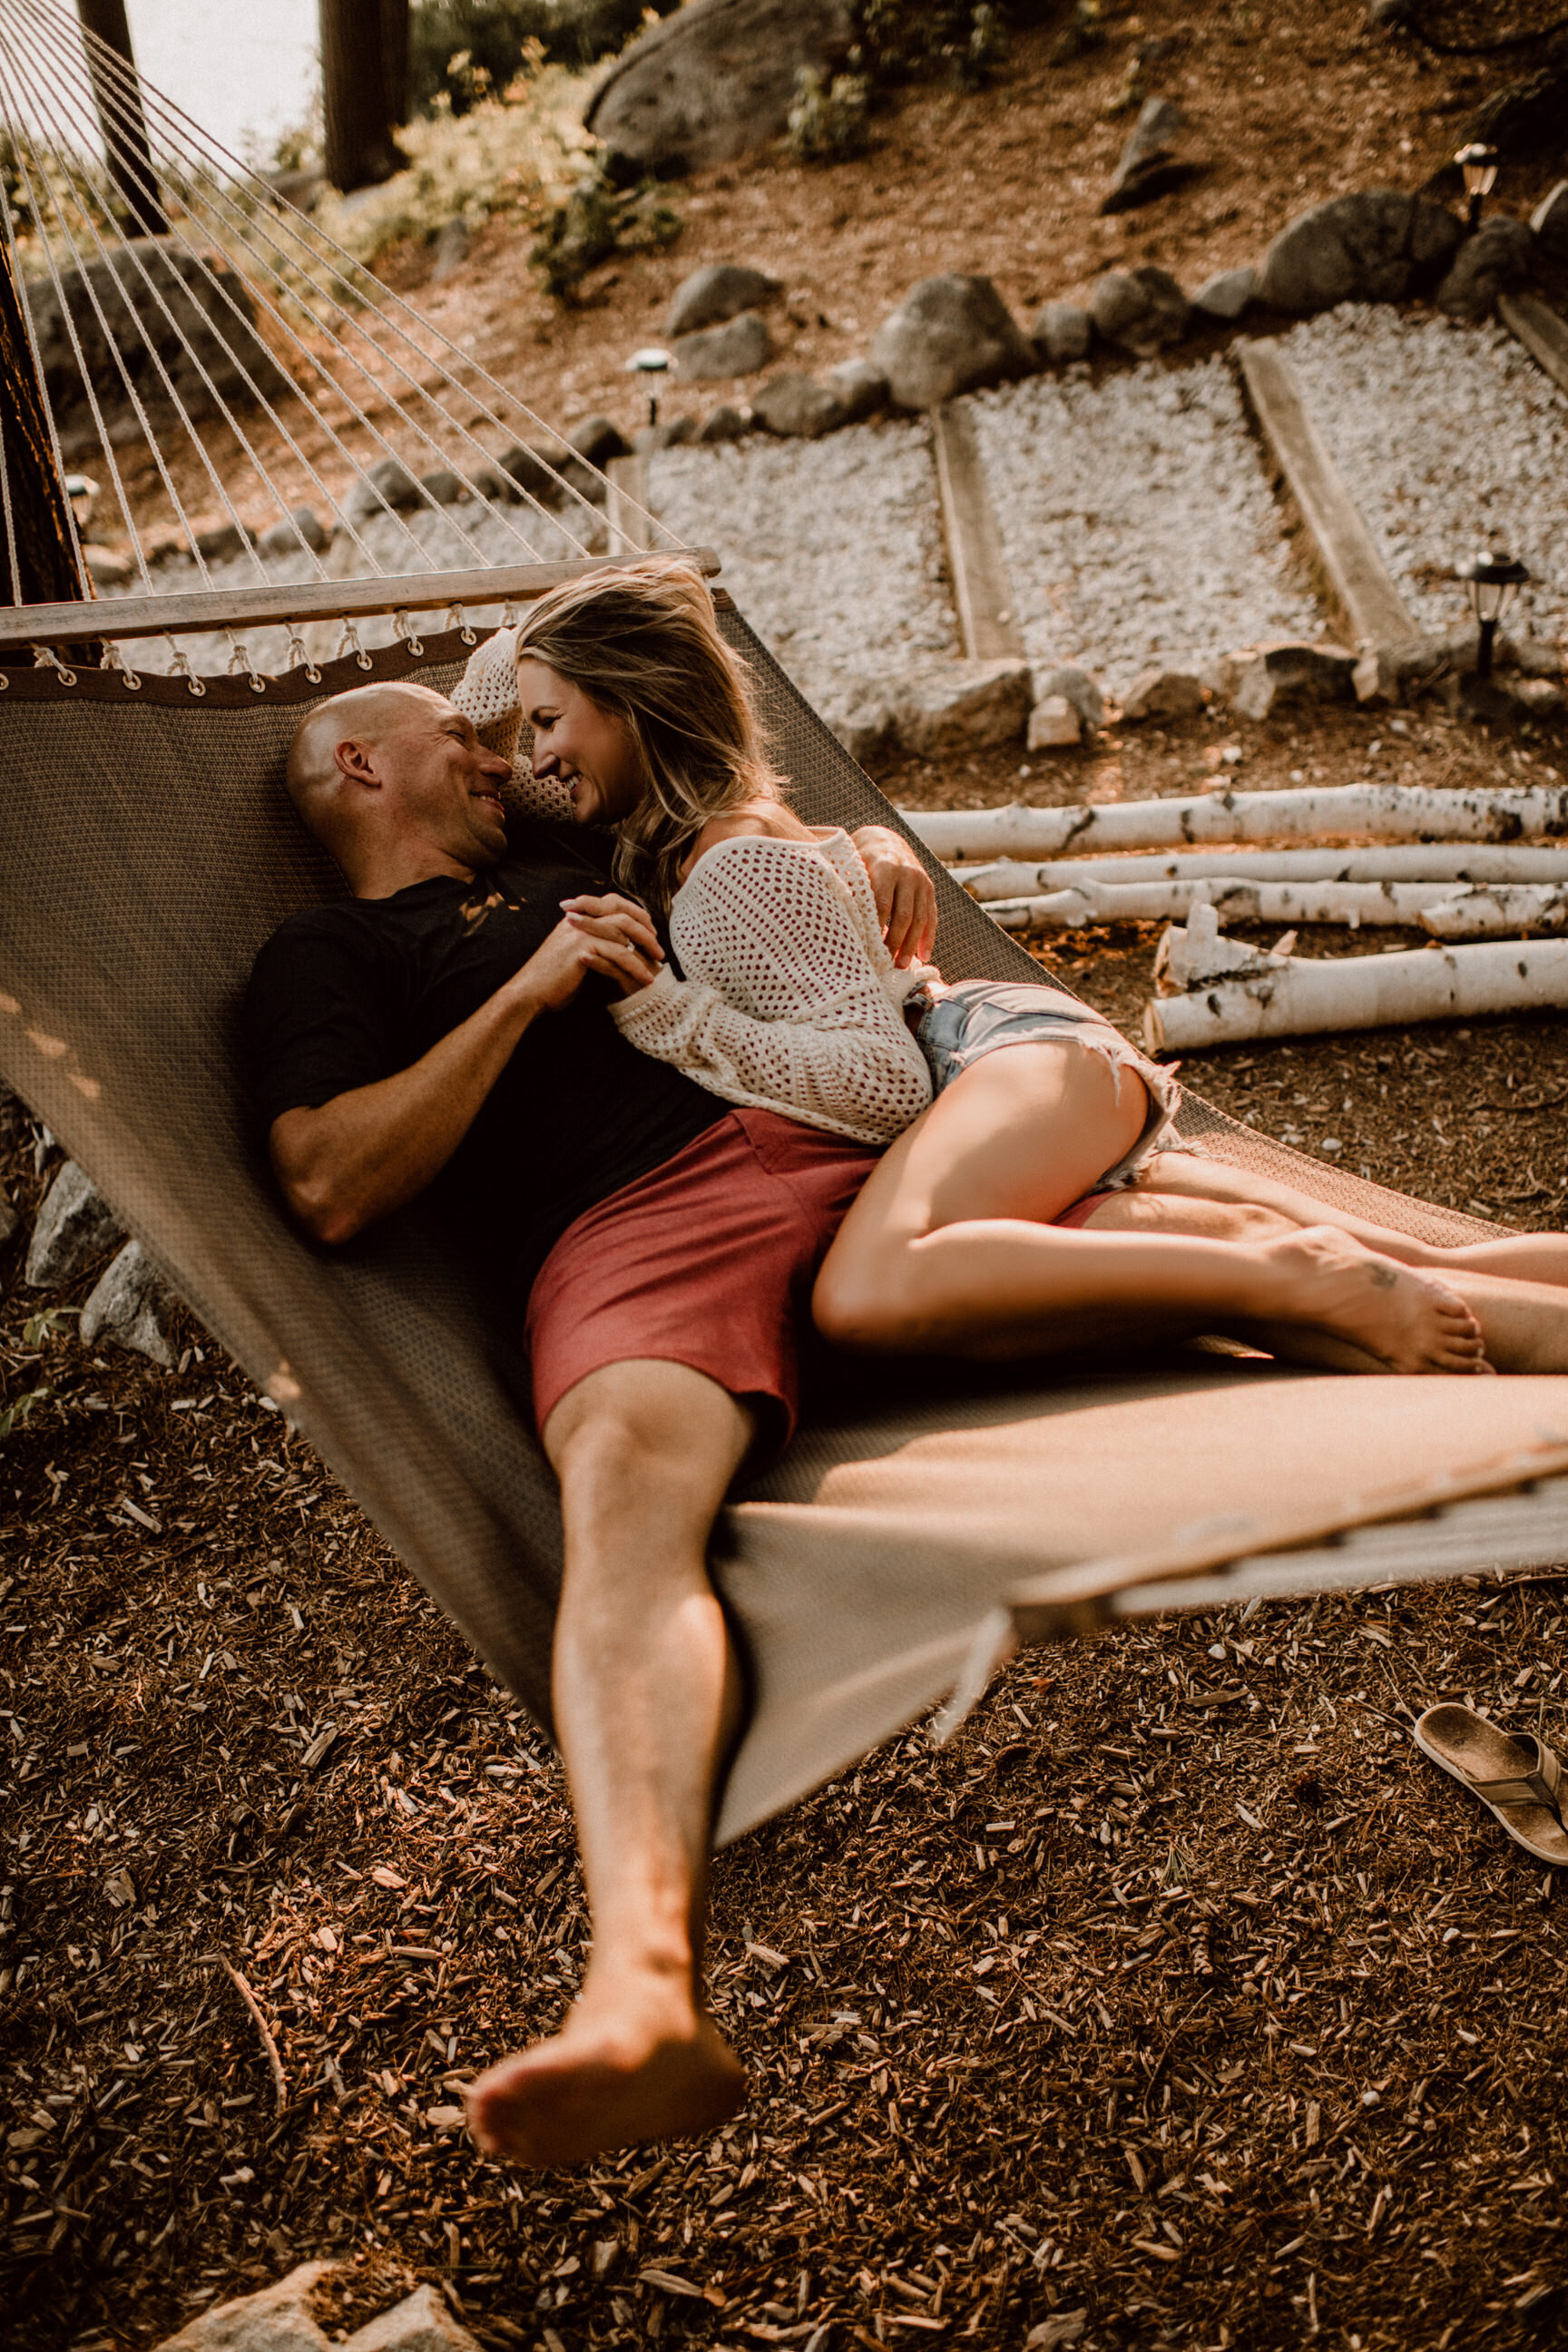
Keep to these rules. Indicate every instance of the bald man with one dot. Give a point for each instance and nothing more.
(444, 1030)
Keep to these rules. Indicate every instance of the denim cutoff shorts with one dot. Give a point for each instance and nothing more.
(975, 1017)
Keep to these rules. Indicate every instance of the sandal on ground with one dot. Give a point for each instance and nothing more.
(1516, 1776)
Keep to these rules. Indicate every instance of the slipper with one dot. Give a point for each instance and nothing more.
(1517, 1778)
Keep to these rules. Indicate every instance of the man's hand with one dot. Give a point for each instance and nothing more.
(906, 896)
(617, 938)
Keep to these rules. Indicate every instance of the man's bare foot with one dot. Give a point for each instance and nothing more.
(625, 2066)
(1407, 1321)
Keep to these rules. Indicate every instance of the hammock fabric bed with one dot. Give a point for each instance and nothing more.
(148, 849)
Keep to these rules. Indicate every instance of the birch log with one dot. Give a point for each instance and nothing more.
(1009, 877)
(1352, 811)
(1449, 910)
(1300, 996)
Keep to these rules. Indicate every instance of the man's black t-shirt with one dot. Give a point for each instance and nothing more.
(350, 992)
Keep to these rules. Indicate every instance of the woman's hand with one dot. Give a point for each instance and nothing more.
(906, 896)
(618, 939)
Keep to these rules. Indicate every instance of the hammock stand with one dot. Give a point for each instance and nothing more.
(926, 1519)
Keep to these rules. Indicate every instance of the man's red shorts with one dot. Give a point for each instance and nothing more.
(707, 1260)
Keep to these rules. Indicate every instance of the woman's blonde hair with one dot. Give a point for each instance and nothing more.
(642, 642)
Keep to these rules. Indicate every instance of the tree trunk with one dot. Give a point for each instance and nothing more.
(45, 571)
(394, 59)
(1406, 862)
(118, 98)
(1302, 996)
(360, 150)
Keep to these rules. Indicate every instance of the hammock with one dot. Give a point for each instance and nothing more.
(924, 1518)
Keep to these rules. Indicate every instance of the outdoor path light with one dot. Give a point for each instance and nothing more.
(1493, 581)
(1479, 164)
(650, 363)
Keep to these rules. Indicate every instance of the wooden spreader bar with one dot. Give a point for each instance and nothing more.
(116, 617)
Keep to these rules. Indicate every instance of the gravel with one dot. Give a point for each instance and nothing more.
(1448, 437)
(1136, 519)
(832, 548)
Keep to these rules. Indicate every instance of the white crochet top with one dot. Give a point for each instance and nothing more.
(791, 1001)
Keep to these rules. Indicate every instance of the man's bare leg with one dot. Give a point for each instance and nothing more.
(645, 1704)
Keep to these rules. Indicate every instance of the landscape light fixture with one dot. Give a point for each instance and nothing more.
(1479, 164)
(1493, 581)
(651, 362)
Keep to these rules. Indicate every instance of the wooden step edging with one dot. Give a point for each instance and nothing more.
(1351, 564)
(986, 625)
(1541, 330)
(630, 525)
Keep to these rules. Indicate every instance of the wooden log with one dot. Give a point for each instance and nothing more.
(1434, 905)
(981, 591)
(122, 124)
(626, 506)
(1351, 564)
(1348, 812)
(1016, 878)
(1496, 913)
(1541, 330)
(1302, 996)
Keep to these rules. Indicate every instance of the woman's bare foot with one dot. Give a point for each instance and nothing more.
(632, 2063)
(1407, 1320)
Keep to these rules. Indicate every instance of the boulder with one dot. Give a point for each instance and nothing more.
(1539, 697)
(299, 529)
(105, 569)
(1289, 671)
(739, 347)
(1498, 257)
(1161, 693)
(191, 312)
(529, 476)
(132, 1305)
(1550, 222)
(797, 407)
(942, 708)
(442, 484)
(386, 484)
(669, 435)
(281, 2319)
(74, 1226)
(715, 80)
(861, 716)
(575, 474)
(1141, 310)
(720, 291)
(451, 251)
(420, 2323)
(861, 389)
(1149, 166)
(1079, 690)
(724, 423)
(1061, 332)
(1376, 246)
(596, 439)
(949, 334)
(1054, 725)
(221, 541)
(1227, 294)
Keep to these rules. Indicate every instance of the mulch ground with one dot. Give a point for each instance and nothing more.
(1179, 2003)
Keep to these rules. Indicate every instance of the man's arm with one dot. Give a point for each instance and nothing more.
(906, 895)
(355, 1159)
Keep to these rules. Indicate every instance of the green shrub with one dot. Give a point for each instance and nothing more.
(597, 220)
(465, 50)
(827, 120)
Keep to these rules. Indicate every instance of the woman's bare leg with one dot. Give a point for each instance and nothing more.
(950, 1245)
(1523, 1257)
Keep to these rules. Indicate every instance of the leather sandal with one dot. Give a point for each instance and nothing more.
(1515, 1776)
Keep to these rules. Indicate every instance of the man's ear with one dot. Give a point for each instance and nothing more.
(357, 762)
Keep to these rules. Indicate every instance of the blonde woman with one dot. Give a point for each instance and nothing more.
(983, 1229)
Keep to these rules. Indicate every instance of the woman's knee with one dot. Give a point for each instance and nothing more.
(859, 1303)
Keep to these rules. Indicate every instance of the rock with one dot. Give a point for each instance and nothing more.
(668, 436)
(1227, 294)
(861, 389)
(714, 81)
(420, 2323)
(737, 348)
(1377, 246)
(721, 290)
(1289, 671)
(1157, 693)
(279, 2320)
(1079, 690)
(942, 708)
(1054, 724)
(386, 484)
(861, 717)
(1498, 257)
(949, 334)
(132, 1306)
(724, 423)
(1148, 167)
(573, 473)
(1537, 657)
(444, 486)
(796, 406)
(192, 311)
(9, 1218)
(1549, 221)
(1384, 675)
(451, 251)
(1541, 696)
(597, 440)
(75, 1225)
(533, 476)
(1061, 332)
(221, 541)
(1141, 310)
(104, 568)
(300, 528)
